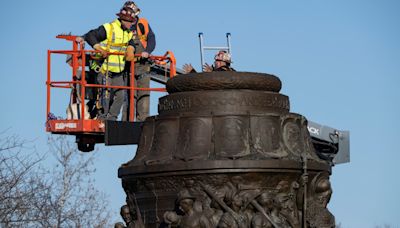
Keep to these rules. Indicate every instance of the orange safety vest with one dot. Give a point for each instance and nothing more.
(142, 35)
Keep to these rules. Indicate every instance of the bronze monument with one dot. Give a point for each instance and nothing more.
(225, 151)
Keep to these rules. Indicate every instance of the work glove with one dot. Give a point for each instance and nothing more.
(129, 54)
(103, 52)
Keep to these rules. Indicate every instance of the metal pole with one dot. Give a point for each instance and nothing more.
(48, 84)
(262, 211)
(305, 183)
(83, 82)
(201, 50)
(132, 102)
(228, 40)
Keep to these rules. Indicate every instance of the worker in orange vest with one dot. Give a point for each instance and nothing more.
(145, 43)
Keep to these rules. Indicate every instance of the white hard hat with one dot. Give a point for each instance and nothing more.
(223, 56)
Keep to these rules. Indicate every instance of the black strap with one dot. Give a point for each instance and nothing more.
(141, 27)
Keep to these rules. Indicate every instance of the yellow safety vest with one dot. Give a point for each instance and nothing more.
(117, 41)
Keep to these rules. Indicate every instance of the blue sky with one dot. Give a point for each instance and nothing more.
(339, 62)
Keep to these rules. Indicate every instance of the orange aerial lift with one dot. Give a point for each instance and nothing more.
(88, 131)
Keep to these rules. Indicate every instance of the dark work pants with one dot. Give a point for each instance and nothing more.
(142, 97)
(111, 99)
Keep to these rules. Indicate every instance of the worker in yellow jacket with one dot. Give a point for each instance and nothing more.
(114, 37)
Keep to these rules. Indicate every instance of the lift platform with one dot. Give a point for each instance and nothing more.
(88, 131)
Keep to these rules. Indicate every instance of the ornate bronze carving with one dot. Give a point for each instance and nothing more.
(224, 151)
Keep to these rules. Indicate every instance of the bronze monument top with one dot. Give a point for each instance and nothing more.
(224, 80)
(224, 151)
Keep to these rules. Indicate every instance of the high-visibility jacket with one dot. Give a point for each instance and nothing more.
(117, 41)
(142, 30)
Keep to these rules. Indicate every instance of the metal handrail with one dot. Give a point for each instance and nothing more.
(79, 51)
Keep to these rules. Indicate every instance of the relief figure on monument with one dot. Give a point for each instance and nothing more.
(129, 219)
(265, 134)
(191, 217)
(194, 139)
(286, 196)
(292, 138)
(318, 214)
(164, 141)
(232, 137)
(145, 140)
(262, 218)
(234, 217)
(297, 138)
(233, 202)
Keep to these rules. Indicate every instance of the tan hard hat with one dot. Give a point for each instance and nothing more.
(223, 56)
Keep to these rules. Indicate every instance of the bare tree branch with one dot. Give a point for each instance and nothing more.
(34, 196)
